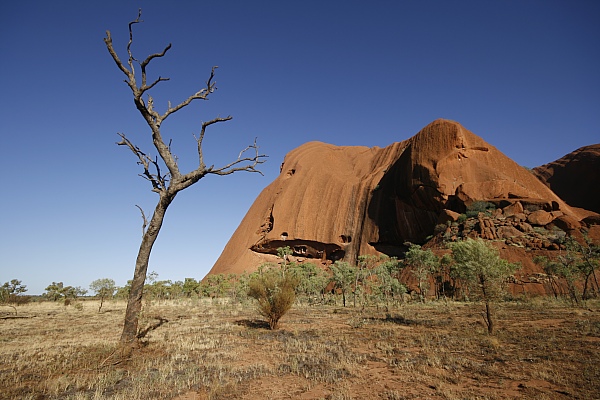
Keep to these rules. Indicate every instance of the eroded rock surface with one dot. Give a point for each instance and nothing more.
(337, 202)
(575, 177)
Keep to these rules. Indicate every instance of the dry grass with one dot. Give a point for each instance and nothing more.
(542, 350)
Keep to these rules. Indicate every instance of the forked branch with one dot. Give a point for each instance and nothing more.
(159, 181)
(250, 162)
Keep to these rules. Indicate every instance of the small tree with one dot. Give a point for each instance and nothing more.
(575, 262)
(238, 286)
(589, 255)
(54, 291)
(284, 253)
(104, 289)
(312, 281)
(191, 287)
(217, 286)
(275, 292)
(388, 285)
(58, 291)
(423, 264)
(166, 184)
(344, 275)
(478, 265)
(12, 293)
(10, 290)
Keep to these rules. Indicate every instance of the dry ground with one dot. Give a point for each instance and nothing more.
(542, 350)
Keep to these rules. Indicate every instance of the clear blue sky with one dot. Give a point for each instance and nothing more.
(524, 75)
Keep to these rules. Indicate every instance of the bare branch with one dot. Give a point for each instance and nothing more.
(145, 88)
(145, 223)
(253, 161)
(113, 53)
(155, 55)
(131, 58)
(199, 95)
(201, 137)
(143, 65)
(159, 181)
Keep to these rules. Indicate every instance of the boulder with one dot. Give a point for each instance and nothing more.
(447, 215)
(505, 232)
(540, 218)
(566, 223)
(524, 227)
(513, 209)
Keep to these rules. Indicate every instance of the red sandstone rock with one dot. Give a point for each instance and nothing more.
(514, 208)
(540, 218)
(575, 177)
(566, 223)
(505, 232)
(332, 202)
(447, 215)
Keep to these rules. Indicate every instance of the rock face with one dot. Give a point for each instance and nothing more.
(575, 177)
(332, 202)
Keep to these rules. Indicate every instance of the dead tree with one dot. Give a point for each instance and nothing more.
(165, 183)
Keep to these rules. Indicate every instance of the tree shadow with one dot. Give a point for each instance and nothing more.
(398, 320)
(253, 323)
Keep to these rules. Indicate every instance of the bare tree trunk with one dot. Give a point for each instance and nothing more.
(134, 303)
(165, 184)
(488, 310)
(489, 319)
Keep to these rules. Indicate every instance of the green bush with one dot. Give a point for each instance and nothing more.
(480, 207)
(274, 289)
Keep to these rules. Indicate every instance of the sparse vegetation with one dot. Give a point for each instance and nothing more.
(577, 262)
(477, 207)
(217, 350)
(201, 340)
(57, 291)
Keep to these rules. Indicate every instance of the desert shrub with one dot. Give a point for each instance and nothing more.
(578, 262)
(312, 281)
(387, 286)
(439, 228)
(480, 207)
(274, 289)
(423, 264)
(532, 207)
(344, 276)
(238, 290)
(216, 286)
(58, 292)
